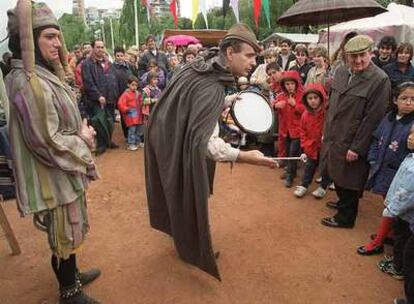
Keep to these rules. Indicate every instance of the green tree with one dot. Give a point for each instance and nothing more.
(74, 30)
(185, 23)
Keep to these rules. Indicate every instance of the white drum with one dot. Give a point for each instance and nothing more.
(252, 113)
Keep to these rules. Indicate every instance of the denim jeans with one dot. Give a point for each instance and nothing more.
(135, 133)
(310, 168)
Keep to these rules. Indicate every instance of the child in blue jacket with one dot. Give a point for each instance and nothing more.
(386, 153)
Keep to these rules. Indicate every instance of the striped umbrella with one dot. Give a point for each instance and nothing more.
(314, 12)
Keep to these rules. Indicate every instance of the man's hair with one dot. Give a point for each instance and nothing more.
(149, 37)
(405, 46)
(236, 44)
(273, 66)
(388, 41)
(85, 43)
(132, 79)
(287, 41)
(94, 41)
(119, 49)
(76, 47)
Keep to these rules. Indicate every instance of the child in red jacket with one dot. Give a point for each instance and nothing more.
(290, 107)
(311, 125)
(130, 106)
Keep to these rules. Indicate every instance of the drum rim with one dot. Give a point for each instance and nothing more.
(245, 130)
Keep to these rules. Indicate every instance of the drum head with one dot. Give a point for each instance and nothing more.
(253, 113)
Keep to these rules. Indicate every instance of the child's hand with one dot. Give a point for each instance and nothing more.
(292, 101)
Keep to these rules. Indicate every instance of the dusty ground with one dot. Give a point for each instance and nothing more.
(273, 249)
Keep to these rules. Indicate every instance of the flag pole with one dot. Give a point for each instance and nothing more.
(136, 23)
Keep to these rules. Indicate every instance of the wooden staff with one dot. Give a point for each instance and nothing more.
(5, 225)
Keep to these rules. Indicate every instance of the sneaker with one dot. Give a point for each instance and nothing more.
(132, 147)
(318, 180)
(300, 191)
(399, 301)
(141, 145)
(332, 187)
(319, 193)
(388, 267)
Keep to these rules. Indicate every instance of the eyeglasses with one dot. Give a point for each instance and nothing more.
(406, 99)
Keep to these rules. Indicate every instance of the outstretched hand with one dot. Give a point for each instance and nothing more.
(256, 158)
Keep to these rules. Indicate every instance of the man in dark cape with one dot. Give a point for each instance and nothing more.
(179, 173)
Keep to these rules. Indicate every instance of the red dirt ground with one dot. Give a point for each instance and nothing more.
(273, 249)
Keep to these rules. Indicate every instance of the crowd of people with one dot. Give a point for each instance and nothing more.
(361, 137)
(348, 116)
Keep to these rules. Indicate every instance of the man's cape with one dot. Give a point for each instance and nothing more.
(179, 176)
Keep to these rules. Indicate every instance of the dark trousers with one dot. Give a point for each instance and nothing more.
(347, 205)
(401, 235)
(409, 269)
(65, 270)
(292, 150)
(310, 168)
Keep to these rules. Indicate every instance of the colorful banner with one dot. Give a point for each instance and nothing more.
(226, 4)
(173, 10)
(257, 6)
(266, 8)
(148, 6)
(235, 6)
(203, 10)
(195, 10)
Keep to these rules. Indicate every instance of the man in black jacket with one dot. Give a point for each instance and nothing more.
(286, 56)
(152, 53)
(98, 84)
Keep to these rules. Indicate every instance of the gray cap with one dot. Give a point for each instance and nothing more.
(359, 44)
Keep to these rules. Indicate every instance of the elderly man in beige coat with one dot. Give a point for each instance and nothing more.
(360, 93)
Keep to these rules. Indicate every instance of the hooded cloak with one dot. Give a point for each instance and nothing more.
(179, 176)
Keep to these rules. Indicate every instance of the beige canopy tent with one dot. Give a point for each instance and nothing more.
(397, 22)
(295, 37)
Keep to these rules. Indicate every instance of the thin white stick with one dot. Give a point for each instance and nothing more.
(286, 158)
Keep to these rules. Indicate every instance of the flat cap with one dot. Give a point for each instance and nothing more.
(42, 16)
(359, 44)
(241, 31)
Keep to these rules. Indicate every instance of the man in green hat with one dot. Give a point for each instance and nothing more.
(50, 144)
(182, 144)
(360, 93)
